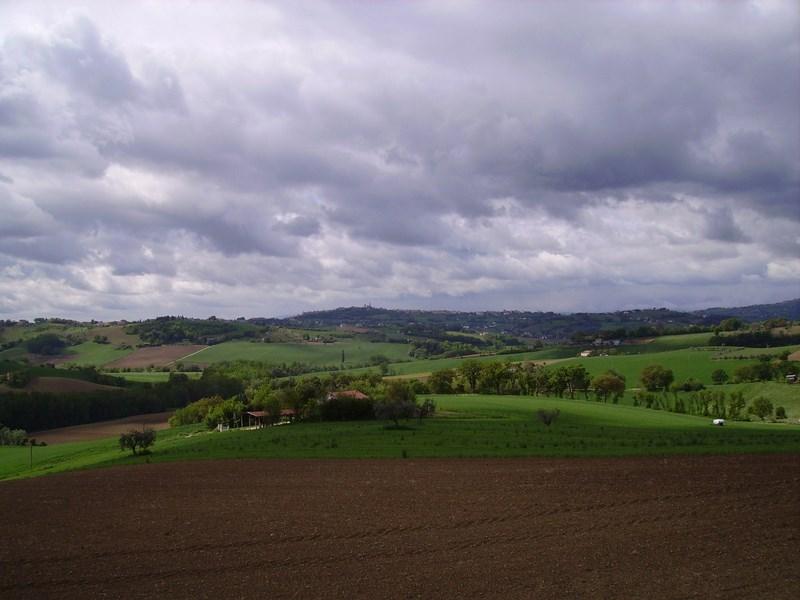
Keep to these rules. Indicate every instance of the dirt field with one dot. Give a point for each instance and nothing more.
(689, 527)
(103, 429)
(62, 385)
(157, 356)
(795, 356)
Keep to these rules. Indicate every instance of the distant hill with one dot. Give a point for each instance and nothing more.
(542, 325)
(758, 312)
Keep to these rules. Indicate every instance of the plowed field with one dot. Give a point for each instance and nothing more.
(157, 356)
(685, 527)
(102, 429)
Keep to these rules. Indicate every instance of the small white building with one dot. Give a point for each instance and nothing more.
(719, 422)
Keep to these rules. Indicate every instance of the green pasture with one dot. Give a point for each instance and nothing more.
(667, 342)
(697, 363)
(15, 353)
(151, 376)
(355, 352)
(465, 426)
(424, 367)
(90, 353)
(780, 394)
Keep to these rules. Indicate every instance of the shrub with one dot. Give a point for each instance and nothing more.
(780, 413)
(547, 416)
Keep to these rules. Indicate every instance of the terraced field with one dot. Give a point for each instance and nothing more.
(658, 528)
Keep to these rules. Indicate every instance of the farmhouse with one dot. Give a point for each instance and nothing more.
(354, 394)
(585, 353)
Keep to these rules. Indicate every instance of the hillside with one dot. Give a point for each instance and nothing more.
(542, 325)
(789, 309)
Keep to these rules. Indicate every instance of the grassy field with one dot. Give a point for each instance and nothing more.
(151, 376)
(424, 367)
(780, 394)
(696, 363)
(355, 353)
(466, 426)
(668, 342)
(90, 353)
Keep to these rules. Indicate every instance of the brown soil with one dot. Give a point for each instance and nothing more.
(66, 385)
(157, 356)
(795, 356)
(688, 527)
(103, 429)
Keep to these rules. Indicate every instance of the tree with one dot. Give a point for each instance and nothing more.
(493, 375)
(426, 409)
(719, 376)
(577, 378)
(46, 343)
(732, 324)
(656, 378)
(761, 407)
(137, 439)
(471, 371)
(227, 413)
(780, 413)
(608, 384)
(399, 402)
(441, 382)
(736, 405)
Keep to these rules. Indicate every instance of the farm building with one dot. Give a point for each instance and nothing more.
(262, 418)
(354, 394)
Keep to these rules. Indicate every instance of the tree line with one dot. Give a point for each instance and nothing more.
(34, 411)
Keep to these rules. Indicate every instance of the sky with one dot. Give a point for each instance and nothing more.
(267, 158)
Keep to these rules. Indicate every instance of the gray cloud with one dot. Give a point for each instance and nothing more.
(401, 150)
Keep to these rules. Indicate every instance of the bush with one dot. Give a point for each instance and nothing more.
(12, 437)
(780, 413)
(137, 439)
(46, 343)
(547, 416)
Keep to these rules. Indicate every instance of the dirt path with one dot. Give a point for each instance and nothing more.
(696, 527)
(103, 429)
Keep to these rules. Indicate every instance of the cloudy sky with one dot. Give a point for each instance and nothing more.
(260, 159)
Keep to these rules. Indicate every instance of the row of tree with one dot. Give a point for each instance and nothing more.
(38, 410)
(496, 377)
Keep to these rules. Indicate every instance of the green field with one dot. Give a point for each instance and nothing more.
(90, 353)
(424, 367)
(668, 342)
(780, 394)
(355, 353)
(466, 426)
(152, 376)
(696, 363)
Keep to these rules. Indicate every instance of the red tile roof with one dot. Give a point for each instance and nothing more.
(349, 394)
